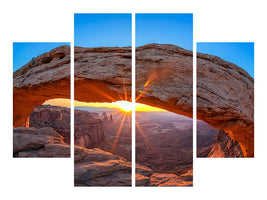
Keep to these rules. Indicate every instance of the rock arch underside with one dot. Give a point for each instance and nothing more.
(164, 79)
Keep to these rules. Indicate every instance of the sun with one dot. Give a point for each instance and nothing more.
(125, 105)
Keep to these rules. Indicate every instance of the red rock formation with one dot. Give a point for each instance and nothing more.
(55, 117)
(104, 116)
(206, 136)
(88, 129)
(32, 85)
(110, 118)
(225, 95)
(224, 146)
(166, 82)
(88, 126)
(104, 74)
(45, 114)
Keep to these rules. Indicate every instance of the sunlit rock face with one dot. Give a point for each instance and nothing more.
(163, 79)
(146, 177)
(224, 146)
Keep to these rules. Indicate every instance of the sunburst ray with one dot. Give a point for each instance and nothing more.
(118, 133)
(144, 135)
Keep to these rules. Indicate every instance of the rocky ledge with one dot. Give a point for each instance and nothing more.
(43, 142)
(93, 167)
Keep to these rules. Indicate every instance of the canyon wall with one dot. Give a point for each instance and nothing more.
(164, 73)
(88, 127)
(55, 117)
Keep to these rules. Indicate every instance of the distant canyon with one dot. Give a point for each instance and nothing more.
(164, 140)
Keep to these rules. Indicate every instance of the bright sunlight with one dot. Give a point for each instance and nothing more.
(125, 105)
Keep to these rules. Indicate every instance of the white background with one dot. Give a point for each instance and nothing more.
(52, 21)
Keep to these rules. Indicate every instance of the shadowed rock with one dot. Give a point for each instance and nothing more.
(43, 142)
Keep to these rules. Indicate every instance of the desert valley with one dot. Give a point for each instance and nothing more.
(163, 139)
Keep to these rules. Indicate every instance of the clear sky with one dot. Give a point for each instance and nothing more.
(174, 29)
(239, 53)
(102, 30)
(23, 52)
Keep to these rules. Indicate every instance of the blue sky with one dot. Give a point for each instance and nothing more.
(102, 30)
(239, 53)
(110, 30)
(23, 52)
(174, 29)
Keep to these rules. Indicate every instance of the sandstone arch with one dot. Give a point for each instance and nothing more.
(163, 79)
(46, 78)
(49, 78)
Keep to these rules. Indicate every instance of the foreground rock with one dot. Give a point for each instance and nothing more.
(161, 180)
(43, 142)
(225, 92)
(92, 167)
